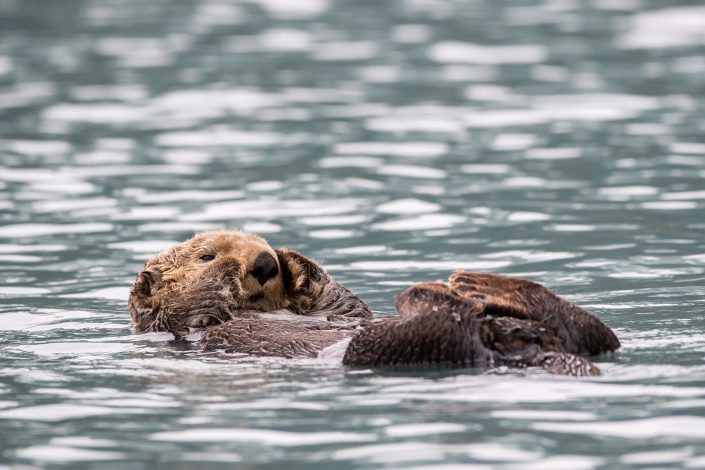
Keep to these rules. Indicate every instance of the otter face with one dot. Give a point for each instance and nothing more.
(244, 260)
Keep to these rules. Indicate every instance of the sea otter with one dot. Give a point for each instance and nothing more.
(250, 298)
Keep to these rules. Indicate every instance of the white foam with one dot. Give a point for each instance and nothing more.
(284, 40)
(262, 227)
(349, 51)
(486, 168)
(412, 171)
(21, 321)
(538, 415)
(333, 220)
(126, 170)
(369, 249)
(331, 234)
(37, 230)
(423, 429)
(26, 94)
(65, 454)
(524, 181)
(56, 412)
(421, 222)
(9, 290)
(143, 246)
(210, 456)
(683, 195)
(556, 153)
(261, 436)
(37, 147)
(213, 102)
(594, 106)
(98, 157)
(109, 92)
(691, 427)
(148, 213)
(688, 147)
(62, 186)
(171, 227)
(214, 14)
(626, 192)
(272, 209)
(513, 141)
(217, 137)
(573, 227)
(401, 124)
(293, 10)
(393, 452)
(20, 258)
(65, 205)
(666, 28)
(656, 457)
(187, 156)
(531, 256)
(101, 113)
(461, 52)
(350, 162)
(5, 65)
(68, 348)
(528, 217)
(188, 195)
(402, 265)
(112, 293)
(505, 117)
(484, 92)
(561, 462)
(265, 186)
(396, 149)
(407, 206)
(82, 441)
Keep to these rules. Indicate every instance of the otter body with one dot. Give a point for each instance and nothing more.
(230, 283)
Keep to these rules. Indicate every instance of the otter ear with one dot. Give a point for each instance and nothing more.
(147, 282)
(298, 272)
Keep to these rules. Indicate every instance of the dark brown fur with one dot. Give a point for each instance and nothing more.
(437, 325)
(478, 320)
(578, 331)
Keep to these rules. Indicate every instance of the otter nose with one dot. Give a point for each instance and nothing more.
(264, 268)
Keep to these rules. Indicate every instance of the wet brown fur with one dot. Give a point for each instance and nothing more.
(177, 290)
(274, 337)
(438, 324)
(477, 320)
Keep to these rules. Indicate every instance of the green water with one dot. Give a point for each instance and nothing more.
(561, 141)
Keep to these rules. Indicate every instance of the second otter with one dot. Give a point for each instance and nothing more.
(231, 282)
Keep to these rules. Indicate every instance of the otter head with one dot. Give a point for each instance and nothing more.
(243, 262)
(192, 275)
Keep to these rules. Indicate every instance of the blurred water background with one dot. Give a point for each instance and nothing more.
(558, 140)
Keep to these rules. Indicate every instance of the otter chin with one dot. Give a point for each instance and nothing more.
(251, 298)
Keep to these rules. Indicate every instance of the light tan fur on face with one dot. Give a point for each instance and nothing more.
(180, 264)
(178, 290)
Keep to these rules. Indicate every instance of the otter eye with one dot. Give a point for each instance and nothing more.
(207, 258)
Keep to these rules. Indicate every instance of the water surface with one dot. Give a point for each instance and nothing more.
(560, 141)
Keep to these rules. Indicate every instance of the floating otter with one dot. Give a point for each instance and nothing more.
(252, 299)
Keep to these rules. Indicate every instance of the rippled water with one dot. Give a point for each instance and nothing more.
(562, 141)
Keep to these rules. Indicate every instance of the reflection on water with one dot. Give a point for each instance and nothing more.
(557, 140)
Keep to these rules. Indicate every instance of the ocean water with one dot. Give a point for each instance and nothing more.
(561, 141)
